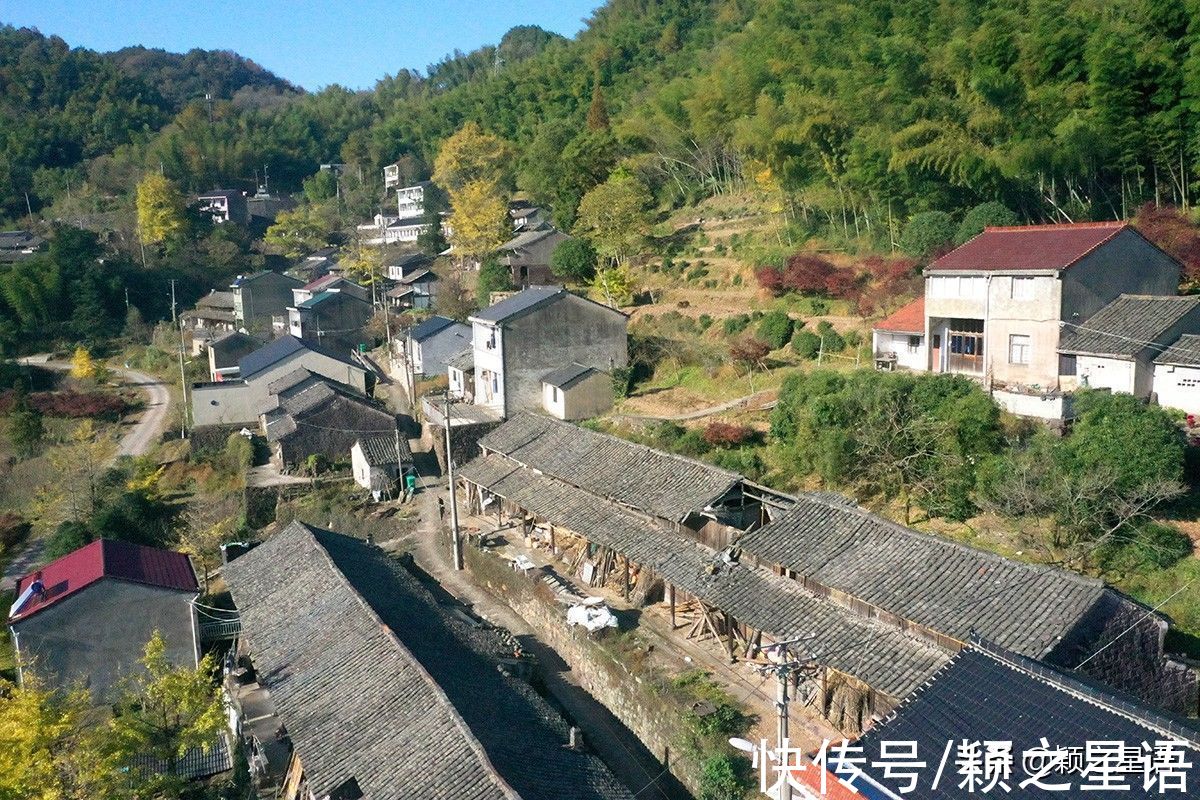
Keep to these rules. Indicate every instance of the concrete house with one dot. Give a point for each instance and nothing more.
(527, 256)
(406, 264)
(521, 339)
(996, 307)
(329, 283)
(1116, 348)
(417, 290)
(377, 463)
(88, 615)
(1177, 375)
(433, 342)
(261, 300)
(410, 200)
(226, 351)
(315, 416)
(576, 392)
(19, 245)
(241, 401)
(332, 318)
(898, 340)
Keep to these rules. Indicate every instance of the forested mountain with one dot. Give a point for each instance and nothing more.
(64, 106)
(859, 114)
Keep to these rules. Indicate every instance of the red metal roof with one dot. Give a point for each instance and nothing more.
(322, 282)
(909, 319)
(107, 558)
(1029, 247)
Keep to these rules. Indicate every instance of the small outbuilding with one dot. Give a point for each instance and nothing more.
(378, 462)
(898, 340)
(1177, 375)
(576, 392)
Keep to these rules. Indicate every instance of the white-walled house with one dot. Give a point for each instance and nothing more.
(433, 342)
(520, 339)
(576, 392)
(996, 307)
(898, 340)
(1177, 375)
(1116, 348)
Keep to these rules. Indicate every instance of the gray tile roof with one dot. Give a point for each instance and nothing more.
(520, 303)
(1128, 325)
(216, 299)
(375, 681)
(464, 361)
(380, 450)
(429, 327)
(662, 484)
(284, 347)
(1185, 352)
(568, 376)
(986, 694)
(943, 585)
(883, 656)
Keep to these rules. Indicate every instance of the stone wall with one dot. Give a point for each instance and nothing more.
(632, 698)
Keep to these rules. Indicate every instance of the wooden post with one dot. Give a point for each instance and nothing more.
(671, 598)
(729, 631)
(553, 544)
(626, 577)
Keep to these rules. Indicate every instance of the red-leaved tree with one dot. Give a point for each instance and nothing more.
(1174, 232)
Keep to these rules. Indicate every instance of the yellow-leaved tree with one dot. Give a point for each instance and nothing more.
(159, 209)
(472, 155)
(478, 220)
(83, 366)
(47, 750)
(615, 217)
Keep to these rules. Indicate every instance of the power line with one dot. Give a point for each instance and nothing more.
(1145, 617)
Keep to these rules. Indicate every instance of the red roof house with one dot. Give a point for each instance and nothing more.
(88, 615)
(1032, 247)
(908, 319)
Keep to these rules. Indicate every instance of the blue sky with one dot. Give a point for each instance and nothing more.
(309, 42)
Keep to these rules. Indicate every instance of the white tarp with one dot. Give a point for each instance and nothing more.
(592, 617)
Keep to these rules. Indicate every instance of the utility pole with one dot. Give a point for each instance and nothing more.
(173, 317)
(28, 207)
(454, 540)
(183, 414)
(784, 667)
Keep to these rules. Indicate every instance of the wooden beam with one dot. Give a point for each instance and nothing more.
(626, 579)
(671, 597)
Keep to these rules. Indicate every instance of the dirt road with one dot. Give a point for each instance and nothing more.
(135, 442)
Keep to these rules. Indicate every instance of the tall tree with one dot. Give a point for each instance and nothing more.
(615, 217)
(160, 209)
(478, 219)
(472, 156)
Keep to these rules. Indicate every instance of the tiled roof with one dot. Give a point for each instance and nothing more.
(1034, 247)
(379, 450)
(986, 694)
(322, 297)
(464, 361)
(429, 327)
(942, 585)
(568, 376)
(377, 683)
(1185, 352)
(106, 558)
(19, 240)
(324, 282)
(242, 280)
(888, 659)
(1128, 325)
(662, 484)
(909, 319)
(235, 341)
(216, 299)
(283, 347)
(520, 303)
(418, 275)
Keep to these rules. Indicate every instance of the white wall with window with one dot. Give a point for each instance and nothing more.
(908, 349)
(1178, 386)
(965, 287)
(1020, 348)
(1025, 288)
(1115, 374)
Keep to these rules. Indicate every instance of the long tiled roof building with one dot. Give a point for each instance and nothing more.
(875, 602)
(386, 694)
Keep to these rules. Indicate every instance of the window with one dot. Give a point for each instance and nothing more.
(1019, 346)
(914, 342)
(554, 394)
(1023, 288)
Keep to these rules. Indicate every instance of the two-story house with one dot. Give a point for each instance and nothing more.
(224, 205)
(521, 339)
(410, 200)
(261, 300)
(996, 307)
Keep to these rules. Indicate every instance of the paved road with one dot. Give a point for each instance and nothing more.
(135, 442)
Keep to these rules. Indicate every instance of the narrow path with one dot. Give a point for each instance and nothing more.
(620, 749)
(745, 400)
(135, 442)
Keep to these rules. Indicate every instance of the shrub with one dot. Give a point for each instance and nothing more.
(67, 538)
(737, 279)
(982, 216)
(775, 329)
(622, 379)
(239, 452)
(806, 344)
(819, 308)
(725, 434)
(696, 274)
(721, 779)
(926, 233)
(692, 443)
(831, 339)
(732, 326)
(75, 405)
(574, 260)
(705, 321)
(13, 530)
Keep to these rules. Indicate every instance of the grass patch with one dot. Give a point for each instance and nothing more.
(1156, 586)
